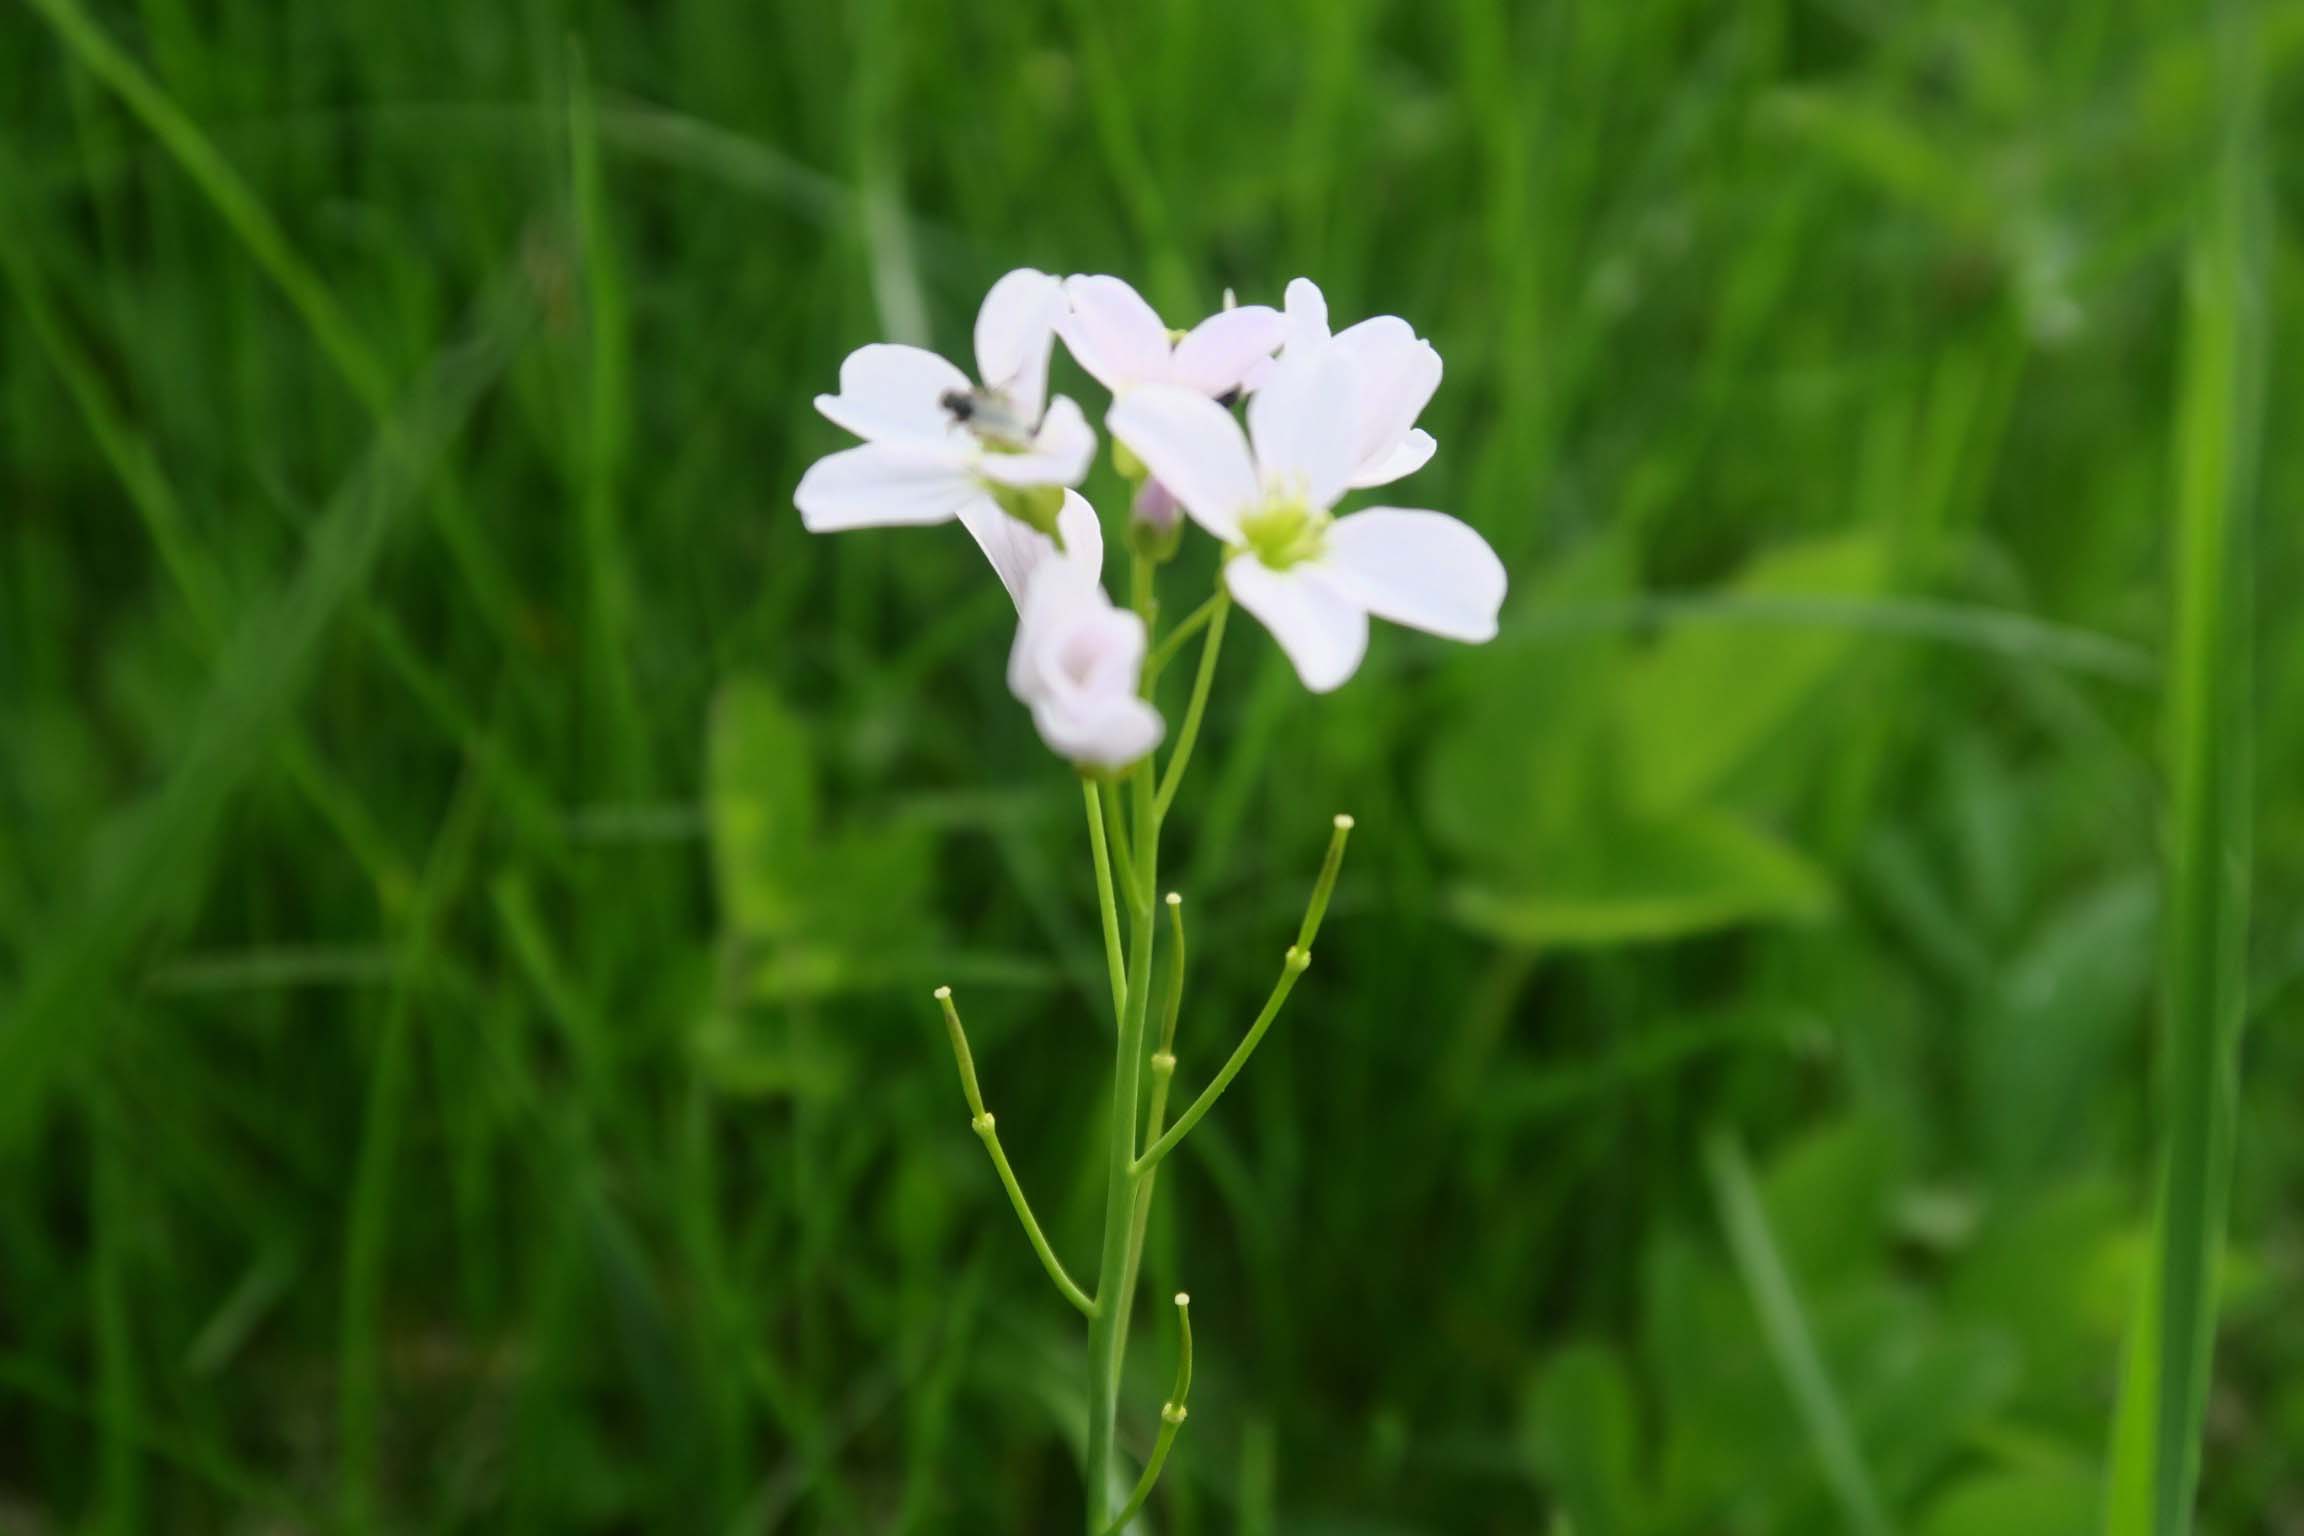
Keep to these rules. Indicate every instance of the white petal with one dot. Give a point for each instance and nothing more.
(1121, 729)
(883, 485)
(1016, 549)
(1060, 453)
(1307, 313)
(1014, 332)
(1192, 446)
(1216, 357)
(1113, 333)
(1322, 631)
(1302, 423)
(1083, 534)
(1398, 374)
(1415, 451)
(889, 393)
(1422, 569)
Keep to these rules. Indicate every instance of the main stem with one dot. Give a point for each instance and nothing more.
(1107, 1340)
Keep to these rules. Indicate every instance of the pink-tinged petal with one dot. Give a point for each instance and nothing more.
(1060, 453)
(881, 485)
(1218, 355)
(1398, 375)
(1077, 661)
(1415, 451)
(1016, 549)
(1322, 631)
(1194, 447)
(1116, 732)
(1302, 425)
(1113, 333)
(1015, 330)
(1422, 569)
(890, 393)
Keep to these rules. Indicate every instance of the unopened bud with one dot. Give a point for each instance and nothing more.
(1155, 507)
(1155, 521)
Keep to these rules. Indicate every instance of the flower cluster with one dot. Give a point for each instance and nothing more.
(1326, 413)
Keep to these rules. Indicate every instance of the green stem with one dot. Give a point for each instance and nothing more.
(1294, 964)
(980, 1121)
(1189, 733)
(1173, 642)
(1107, 1345)
(1172, 1414)
(1163, 1065)
(1123, 855)
(1104, 902)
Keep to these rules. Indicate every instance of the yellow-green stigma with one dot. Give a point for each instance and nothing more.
(1285, 531)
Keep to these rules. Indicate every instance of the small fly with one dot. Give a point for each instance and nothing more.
(989, 415)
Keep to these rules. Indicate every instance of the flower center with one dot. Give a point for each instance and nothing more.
(991, 417)
(1286, 530)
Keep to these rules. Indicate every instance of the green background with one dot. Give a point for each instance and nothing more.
(472, 867)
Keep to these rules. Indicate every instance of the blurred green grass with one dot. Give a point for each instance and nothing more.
(471, 868)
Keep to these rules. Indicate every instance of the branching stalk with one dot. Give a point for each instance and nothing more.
(1296, 962)
(1172, 1415)
(1163, 1066)
(1172, 643)
(1188, 734)
(1106, 1343)
(980, 1120)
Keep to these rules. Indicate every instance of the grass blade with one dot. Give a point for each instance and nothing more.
(1785, 1323)
(61, 1008)
(2155, 1467)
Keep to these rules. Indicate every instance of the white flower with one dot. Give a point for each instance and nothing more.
(1397, 373)
(938, 446)
(1122, 340)
(1077, 663)
(1312, 578)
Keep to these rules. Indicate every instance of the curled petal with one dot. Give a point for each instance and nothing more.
(1218, 355)
(1415, 451)
(1426, 570)
(1016, 549)
(882, 485)
(1060, 453)
(1014, 332)
(1113, 333)
(1194, 447)
(889, 393)
(1322, 631)
(1302, 423)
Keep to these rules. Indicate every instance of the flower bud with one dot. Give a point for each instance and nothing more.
(1155, 522)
